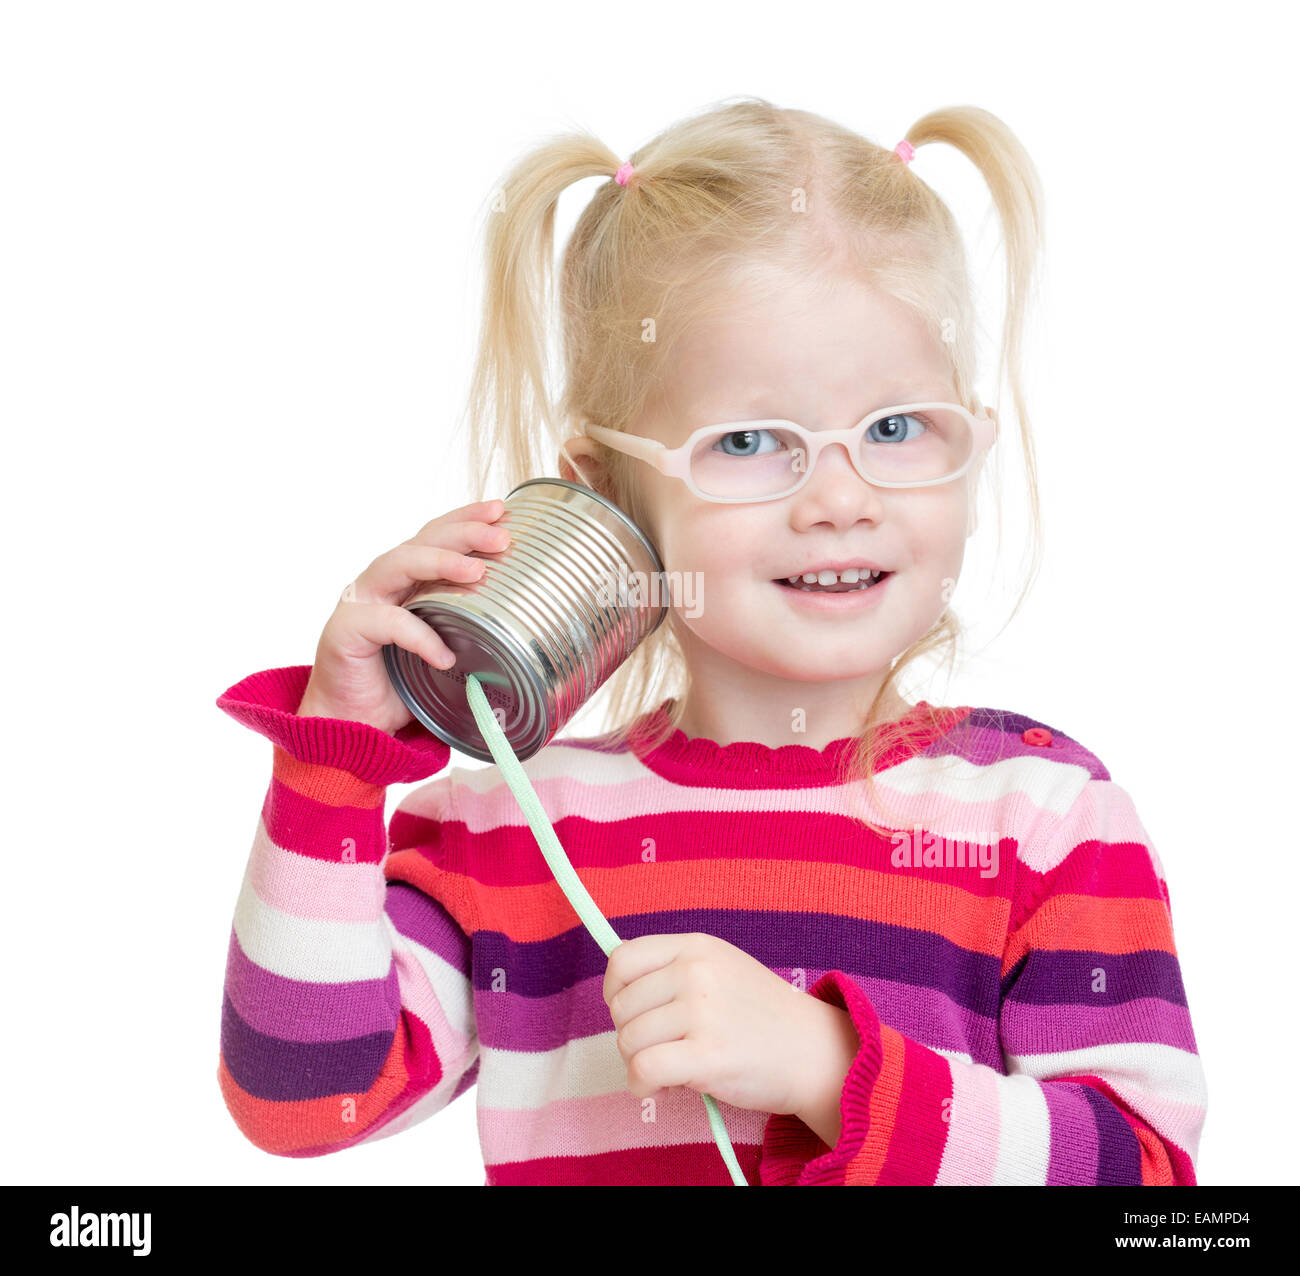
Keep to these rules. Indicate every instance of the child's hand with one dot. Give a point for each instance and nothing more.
(697, 1011)
(348, 679)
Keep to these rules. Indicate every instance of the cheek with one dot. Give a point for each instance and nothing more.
(932, 524)
(934, 539)
(702, 538)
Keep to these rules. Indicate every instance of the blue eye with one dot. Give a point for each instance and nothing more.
(746, 442)
(892, 431)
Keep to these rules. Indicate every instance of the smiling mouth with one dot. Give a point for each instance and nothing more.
(869, 579)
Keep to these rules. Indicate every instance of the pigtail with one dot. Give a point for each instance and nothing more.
(510, 414)
(1013, 183)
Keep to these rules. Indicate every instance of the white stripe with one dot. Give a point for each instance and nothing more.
(1156, 1067)
(339, 952)
(1024, 1133)
(1050, 785)
(527, 1080)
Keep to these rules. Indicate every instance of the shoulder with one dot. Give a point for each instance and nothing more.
(987, 735)
(1068, 808)
(1045, 786)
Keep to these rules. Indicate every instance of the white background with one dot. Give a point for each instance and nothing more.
(238, 298)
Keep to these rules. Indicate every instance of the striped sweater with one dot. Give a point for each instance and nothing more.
(1007, 957)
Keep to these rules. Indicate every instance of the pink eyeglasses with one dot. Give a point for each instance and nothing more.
(909, 445)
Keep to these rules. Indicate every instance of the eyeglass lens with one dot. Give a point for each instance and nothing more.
(909, 447)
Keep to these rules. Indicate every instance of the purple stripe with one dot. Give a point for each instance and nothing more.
(423, 920)
(1049, 1029)
(935, 1020)
(1119, 1155)
(295, 1010)
(509, 1020)
(269, 1068)
(780, 940)
(1072, 1158)
(1060, 977)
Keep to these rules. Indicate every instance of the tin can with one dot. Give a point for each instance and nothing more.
(552, 617)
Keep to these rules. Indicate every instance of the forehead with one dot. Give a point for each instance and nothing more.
(818, 345)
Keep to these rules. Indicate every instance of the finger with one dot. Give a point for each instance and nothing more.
(364, 628)
(480, 511)
(390, 577)
(636, 957)
(463, 537)
(658, 988)
(663, 1023)
(658, 1067)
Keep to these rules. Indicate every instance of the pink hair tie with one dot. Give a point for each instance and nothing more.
(624, 173)
(904, 150)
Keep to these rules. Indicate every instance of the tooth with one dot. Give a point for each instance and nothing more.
(826, 577)
(876, 575)
(850, 577)
(794, 580)
(810, 578)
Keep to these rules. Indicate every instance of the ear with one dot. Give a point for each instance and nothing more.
(578, 453)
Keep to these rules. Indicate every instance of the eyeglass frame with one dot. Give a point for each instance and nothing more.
(676, 462)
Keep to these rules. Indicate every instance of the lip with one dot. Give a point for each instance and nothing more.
(848, 600)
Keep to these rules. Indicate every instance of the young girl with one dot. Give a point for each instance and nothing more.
(898, 943)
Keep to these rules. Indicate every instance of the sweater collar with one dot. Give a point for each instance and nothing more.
(748, 764)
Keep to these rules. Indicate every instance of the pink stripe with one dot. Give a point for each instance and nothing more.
(633, 800)
(1102, 812)
(610, 1122)
(789, 838)
(314, 889)
(970, 1155)
(316, 830)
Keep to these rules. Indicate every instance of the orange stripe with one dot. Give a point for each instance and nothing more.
(413, 866)
(1092, 923)
(539, 911)
(886, 1095)
(292, 1125)
(328, 785)
(1156, 1170)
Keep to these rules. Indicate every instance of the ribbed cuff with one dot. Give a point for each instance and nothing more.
(268, 703)
(793, 1156)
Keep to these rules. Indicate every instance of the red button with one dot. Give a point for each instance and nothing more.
(1037, 735)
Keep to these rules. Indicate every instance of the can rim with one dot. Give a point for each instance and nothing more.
(609, 505)
(518, 657)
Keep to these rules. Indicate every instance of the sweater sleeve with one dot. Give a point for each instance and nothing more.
(1103, 1082)
(348, 1007)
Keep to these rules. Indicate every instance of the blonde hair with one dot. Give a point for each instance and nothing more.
(712, 197)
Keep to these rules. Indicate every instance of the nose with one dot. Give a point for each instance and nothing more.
(836, 493)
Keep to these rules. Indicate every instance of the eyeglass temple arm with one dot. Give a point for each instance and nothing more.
(665, 460)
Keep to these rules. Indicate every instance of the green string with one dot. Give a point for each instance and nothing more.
(569, 882)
